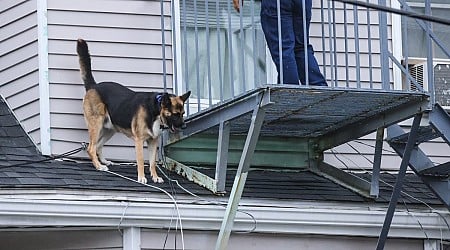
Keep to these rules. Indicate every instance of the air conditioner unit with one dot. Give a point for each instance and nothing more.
(441, 80)
(419, 72)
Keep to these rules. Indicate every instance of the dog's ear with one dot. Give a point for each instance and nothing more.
(185, 96)
(165, 100)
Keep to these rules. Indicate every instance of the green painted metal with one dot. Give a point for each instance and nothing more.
(191, 174)
(343, 178)
(201, 149)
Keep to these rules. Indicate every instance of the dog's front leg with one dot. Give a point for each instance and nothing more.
(139, 145)
(152, 147)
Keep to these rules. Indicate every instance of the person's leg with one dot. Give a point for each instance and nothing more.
(315, 77)
(269, 23)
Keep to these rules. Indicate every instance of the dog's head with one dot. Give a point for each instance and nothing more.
(172, 110)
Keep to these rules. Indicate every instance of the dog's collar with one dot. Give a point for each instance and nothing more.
(159, 99)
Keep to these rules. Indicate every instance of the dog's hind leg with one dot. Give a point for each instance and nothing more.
(94, 114)
(105, 135)
(153, 147)
(94, 133)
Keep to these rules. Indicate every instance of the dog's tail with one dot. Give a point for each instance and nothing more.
(85, 64)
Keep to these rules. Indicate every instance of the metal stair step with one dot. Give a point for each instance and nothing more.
(439, 170)
(435, 177)
(425, 133)
(440, 121)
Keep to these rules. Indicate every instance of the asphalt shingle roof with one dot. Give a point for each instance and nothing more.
(16, 172)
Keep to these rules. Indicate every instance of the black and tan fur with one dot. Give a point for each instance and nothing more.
(110, 107)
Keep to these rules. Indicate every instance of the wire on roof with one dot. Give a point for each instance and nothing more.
(51, 158)
(162, 190)
(432, 210)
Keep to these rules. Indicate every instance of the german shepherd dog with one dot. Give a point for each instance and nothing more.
(109, 107)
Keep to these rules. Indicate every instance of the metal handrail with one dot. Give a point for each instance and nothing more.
(223, 52)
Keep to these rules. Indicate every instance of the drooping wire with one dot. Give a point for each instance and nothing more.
(162, 190)
(172, 188)
(432, 210)
(50, 158)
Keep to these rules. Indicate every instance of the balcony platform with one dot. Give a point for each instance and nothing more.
(297, 111)
(298, 124)
(281, 126)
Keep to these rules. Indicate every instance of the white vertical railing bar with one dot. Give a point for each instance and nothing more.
(186, 62)
(280, 44)
(241, 47)
(219, 48)
(208, 53)
(163, 46)
(335, 45)
(305, 42)
(407, 81)
(255, 58)
(369, 47)
(197, 58)
(347, 83)
(322, 25)
(357, 57)
(176, 50)
(429, 47)
(230, 50)
(331, 35)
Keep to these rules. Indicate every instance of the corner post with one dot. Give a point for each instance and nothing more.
(399, 182)
(241, 176)
(222, 156)
(132, 238)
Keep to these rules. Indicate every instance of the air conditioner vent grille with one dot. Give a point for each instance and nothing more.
(418, 73)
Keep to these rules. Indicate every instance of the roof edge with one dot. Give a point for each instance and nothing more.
(273, 217)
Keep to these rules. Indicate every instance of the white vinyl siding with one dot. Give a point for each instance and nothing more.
(126, 46)
(336, 29)
(19, 62)
(124, 39)
(200, 240)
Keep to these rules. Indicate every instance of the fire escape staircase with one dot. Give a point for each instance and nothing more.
(290, 127)
(406, 144)
(435, 176)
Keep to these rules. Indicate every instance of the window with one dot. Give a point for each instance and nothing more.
(220, 56)
(416, 38)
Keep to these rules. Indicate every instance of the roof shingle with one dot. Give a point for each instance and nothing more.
(19, 169)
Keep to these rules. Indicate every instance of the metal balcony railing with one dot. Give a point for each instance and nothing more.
(220, 53)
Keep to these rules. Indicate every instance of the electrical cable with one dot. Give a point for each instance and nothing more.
(171, 219)
(372, 146)
(50, 158)
(121, 218)
(161, 190)
(418, 221)
(432, 210)
(383, 149)
(84, 147)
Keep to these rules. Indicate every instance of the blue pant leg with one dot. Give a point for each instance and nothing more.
(269, 23)
(315, 77)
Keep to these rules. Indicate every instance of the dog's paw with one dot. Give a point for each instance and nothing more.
(102, 168)
(106, 162)
(142, 180)
(157, 179)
